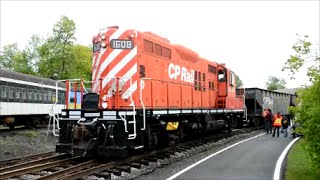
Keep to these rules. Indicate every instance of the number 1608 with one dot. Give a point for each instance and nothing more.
(121, 44)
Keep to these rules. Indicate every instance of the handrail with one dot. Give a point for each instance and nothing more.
(142, 85)
(134, 135)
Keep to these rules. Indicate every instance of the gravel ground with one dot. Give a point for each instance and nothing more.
(25, 142)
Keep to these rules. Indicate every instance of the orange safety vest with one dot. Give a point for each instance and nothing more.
(277, 122)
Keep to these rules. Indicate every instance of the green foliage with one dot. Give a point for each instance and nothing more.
(31, 52)
(21, 63)
(14, 59)
(275, 83)
(82, 66)
(305, 53)
(239, 82)
(7, 57)
(291, 109)
(56, 53)
(307, 113)
(298, 163)
(55, 57)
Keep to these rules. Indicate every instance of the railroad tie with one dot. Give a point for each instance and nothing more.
(105, 175)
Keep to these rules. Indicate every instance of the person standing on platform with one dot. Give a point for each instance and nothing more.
(277, 119)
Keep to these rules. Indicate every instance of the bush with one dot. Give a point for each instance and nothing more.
(308, 116)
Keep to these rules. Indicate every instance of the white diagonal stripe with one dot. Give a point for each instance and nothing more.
(117, 34)
(105, 63)
(119, 66)
(101, 68)
(98, 63)
(125, 78)
(130, 90)
(130, 73)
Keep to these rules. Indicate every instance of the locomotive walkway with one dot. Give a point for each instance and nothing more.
(256, 158)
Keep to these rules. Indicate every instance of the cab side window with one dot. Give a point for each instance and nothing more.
(222, 76)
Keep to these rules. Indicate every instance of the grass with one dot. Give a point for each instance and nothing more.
(299, 164)
(29, 133)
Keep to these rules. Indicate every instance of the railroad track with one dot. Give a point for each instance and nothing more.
(62, 167)
(23, 159)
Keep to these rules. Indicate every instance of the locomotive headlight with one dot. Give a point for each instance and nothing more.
(103, 44)
(104, 98)
(133, 35)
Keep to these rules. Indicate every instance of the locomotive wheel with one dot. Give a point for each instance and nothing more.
(152, 138)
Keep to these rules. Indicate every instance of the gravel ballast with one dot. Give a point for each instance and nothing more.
(25, 142)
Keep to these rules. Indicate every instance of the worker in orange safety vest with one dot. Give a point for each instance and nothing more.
(277, 119)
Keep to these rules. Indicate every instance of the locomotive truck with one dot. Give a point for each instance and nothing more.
(147, 92)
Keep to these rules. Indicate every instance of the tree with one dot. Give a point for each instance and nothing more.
(82, 66)
(238, 82)
(31, 52)
(275, 83)
(21, 63)
(56, 53)
(14, 59)
(7, 56)
(307, 113)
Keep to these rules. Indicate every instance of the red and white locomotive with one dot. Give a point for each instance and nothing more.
(148, 92)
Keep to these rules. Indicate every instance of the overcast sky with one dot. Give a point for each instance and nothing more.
(253, 38)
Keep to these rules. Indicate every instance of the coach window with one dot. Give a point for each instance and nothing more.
(40, 96)
(49, 96)
(35, 95)
(24, 94)
(18, 92)
(30, 93)
(11, 93)
(222, 76)
(45, 95)
(3, 92)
